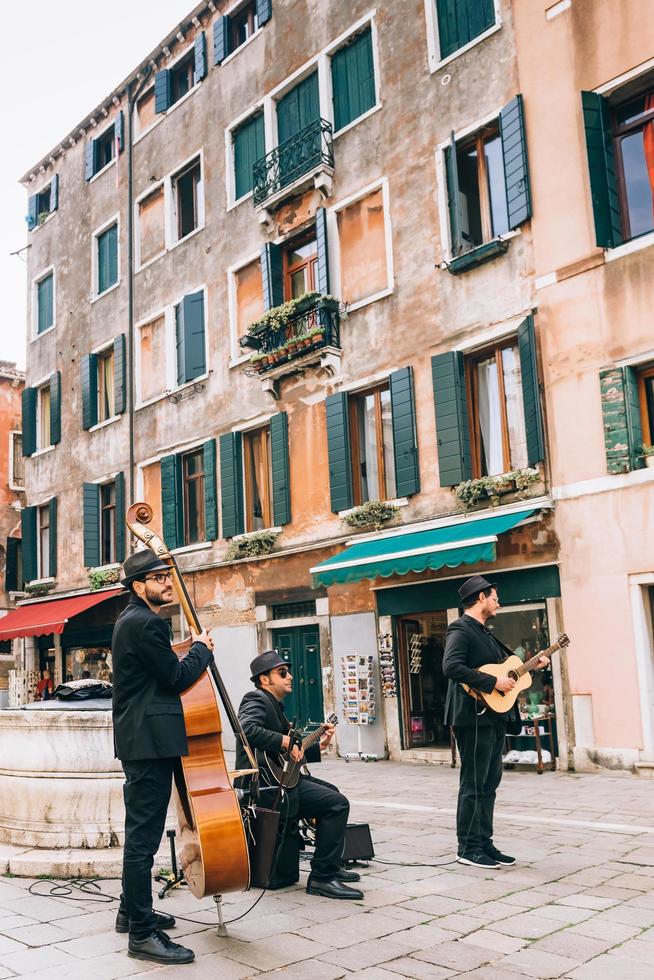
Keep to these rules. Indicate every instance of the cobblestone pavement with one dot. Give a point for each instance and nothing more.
(579, 904)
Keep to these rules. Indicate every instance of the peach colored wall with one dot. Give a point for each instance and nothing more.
(362, 246)
(249, 295)
(151, 225)
(153, 341)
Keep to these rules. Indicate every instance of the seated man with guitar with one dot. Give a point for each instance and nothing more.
(269, 732)
(470, 661)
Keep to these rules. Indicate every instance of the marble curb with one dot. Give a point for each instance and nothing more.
(30, 862)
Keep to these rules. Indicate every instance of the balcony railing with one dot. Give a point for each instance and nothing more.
(308, 150)
(287, 338)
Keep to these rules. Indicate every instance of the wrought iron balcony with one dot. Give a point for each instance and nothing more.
(287, 335)
(303, 155)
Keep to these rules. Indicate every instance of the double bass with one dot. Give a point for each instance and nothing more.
(213, 841)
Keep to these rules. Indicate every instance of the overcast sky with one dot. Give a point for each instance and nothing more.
(73, 55)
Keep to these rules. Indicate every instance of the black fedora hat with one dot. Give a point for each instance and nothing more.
(138, 565)
(475, 584)
(264, 662)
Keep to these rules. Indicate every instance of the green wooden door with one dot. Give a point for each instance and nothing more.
(300, 647)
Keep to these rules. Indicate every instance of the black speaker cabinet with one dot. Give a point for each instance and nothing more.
(286, 868)
(358, 843)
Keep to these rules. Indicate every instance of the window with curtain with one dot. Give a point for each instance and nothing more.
(481, 187)
(371, 436)
(258, 479)
(499, 440)
(633, 133)
(106, 401)
(193, 481)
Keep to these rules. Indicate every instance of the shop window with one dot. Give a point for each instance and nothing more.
(43, 541)
(151, 232)
(461, 21)
(187, 200)
(353, 79)
(371, 435)
(362, 248)
(193, 481)
(300, 259)
(43, 417)
(88, 662)
(106, 402)
(249, 146)
(17, 472)
(495, 397)
(107, 258)
(646, 400)
(258, 479)
(242, 25)
(481, 190)
(108, 523)
(181, 78)
(44, 298)
(423, 686)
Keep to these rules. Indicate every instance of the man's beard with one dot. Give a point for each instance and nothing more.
(157, 600)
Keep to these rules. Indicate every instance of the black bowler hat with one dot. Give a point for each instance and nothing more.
(473, 585)
(138, 565)
(264, 662)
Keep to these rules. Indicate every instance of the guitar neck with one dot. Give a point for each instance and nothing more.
(531, 664)
(313, 737)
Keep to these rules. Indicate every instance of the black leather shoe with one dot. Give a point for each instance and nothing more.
(162, 921)
(344, 875)
(158, 948)
(333, 889)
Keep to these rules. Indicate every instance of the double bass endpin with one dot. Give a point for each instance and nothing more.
(222, 928)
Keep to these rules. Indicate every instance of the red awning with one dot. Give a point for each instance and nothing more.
(49, 616)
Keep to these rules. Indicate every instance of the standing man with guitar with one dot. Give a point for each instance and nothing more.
(149, 737)
(479, 732)
(268, 731)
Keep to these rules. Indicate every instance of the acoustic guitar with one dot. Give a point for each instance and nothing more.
(502, 701)
(287, 771)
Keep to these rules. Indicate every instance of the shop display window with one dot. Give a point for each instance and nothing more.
(88, 662)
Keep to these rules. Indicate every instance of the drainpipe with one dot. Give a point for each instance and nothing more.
(134, 89)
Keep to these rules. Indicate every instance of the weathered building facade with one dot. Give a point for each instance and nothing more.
(11, 500)
(332, 302)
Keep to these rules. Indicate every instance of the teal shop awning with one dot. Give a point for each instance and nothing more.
(467, 542)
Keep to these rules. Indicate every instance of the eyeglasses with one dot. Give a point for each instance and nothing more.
(160, 578)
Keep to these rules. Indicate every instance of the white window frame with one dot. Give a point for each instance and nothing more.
(112, 162)
(100, 349)
(41, 386)
(170, 203)
(95, 278)
(49, 577)
(155, 122)
(235, 9)
(230, 159)
(12, 439)
(322, 63)
(48, 183)
(236, 356)
(260, 422)
(193, 88)
(433, 40)
(441, 186)
(43, 274)
(335, 248)
(143, 196)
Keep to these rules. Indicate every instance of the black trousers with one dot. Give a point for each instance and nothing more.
(480, 750)
(146, 791)
(331, 810)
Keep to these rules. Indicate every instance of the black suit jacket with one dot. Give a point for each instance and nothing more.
(468, 646)
(147, 681)
(264, 723)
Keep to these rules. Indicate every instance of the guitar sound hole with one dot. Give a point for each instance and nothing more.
(513, 675)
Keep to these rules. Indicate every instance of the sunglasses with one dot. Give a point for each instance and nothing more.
(282, 671)
(160, 578)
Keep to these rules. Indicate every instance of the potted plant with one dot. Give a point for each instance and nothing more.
(648, 455)
(374, 514)
(257, 361)
(255, 545)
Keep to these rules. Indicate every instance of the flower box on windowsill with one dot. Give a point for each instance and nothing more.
(293, 332)
(477, 256)
(487, 489)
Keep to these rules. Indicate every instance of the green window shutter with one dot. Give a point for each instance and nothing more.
(220, 39)
(52, 538)
(28, 548)
(531, 391)
(55, 408)
(162, 90)
(210, 494)
(514, 155)
(120, 375)
(200, 56)
(405, 443)
(338, 451)
(452, 426)
(90, 159)
(89, 371)
(120, 517)
(453, 197)
(32, 216)
(91, 517)
(298, 108)
(281, 477)
(601, 170)
(13, 575)
(108, 258)
(172, 501)
(45, 303)
(191, 356)
(29, 421)
(461, 21)
(353, 80)
(623, 435)
(231, 483)
(54, 193)
(264, 11)
(119, 131)
(249, 146)
(322, 265)
(272, 276)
